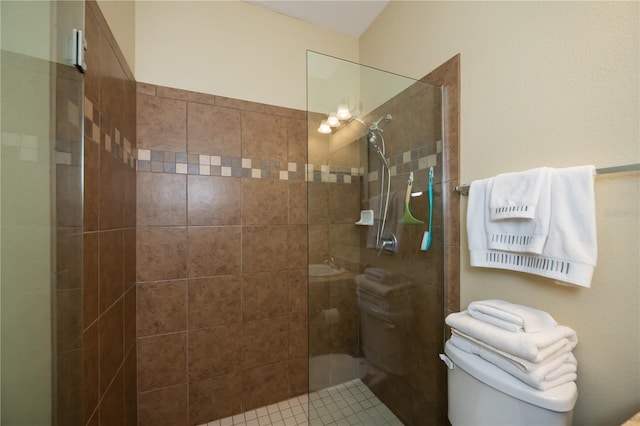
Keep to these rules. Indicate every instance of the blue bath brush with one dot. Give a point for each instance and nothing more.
(426, 238)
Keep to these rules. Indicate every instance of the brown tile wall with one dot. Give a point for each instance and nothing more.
(333, 311)
(420, 394)
(415, 396)
(109, 296)
(221, 273)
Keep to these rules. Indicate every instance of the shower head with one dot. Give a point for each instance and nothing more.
(376, 124)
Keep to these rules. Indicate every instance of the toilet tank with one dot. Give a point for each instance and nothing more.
(384, 340)
(483, 394)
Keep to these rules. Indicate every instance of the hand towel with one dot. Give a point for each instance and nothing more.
(517, 195)
(510, 316)
(570, 252)
(535, 347)
(520, 234)
(524, 365)
(547, 375)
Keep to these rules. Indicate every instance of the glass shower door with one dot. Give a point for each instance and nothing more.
(376, 311)
(40, 214)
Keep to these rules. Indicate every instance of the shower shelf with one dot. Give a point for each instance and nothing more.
(366, 218)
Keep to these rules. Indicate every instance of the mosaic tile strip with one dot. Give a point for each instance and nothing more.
(214, 165)
(99, 128)
(68, 149)
(29, 148)
(419, 158)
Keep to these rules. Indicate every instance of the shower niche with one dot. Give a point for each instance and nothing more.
(376, 324)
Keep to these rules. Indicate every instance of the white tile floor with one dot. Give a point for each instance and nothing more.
(347, 404)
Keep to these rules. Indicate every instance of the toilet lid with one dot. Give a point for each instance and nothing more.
(560, 398)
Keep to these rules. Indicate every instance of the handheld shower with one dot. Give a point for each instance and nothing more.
(375, 134)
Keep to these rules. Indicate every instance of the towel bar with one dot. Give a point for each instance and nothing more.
(464, 189)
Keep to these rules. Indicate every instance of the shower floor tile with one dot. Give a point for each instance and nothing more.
(347, 404)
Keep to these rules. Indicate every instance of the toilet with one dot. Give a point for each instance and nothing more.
(385, 317)
(483, 394)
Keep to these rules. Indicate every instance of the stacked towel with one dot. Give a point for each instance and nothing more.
(510, 316)
(390, 295)
(542, 359)
(561, 246)
(382, 275)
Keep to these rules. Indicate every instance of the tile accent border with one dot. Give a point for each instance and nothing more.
(419, 158)
(169, 162)
(99, 129)
(214, 165)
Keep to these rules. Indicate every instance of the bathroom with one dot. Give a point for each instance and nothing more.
(560, 90)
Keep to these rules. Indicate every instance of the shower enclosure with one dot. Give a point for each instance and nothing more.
(41, 214)
(376, 288)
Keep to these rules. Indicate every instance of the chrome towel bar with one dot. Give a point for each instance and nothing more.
(464, 189)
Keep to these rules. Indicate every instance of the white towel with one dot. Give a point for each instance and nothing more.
(510, 232)
(517, 195)
(534, 347)
(570, 252)
(546, 375)
(524, 365)
(380, 275)
(510, 316)
(363, 282)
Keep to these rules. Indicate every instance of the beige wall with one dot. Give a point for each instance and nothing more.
(121, 17)
(230, 48)
(554, 84)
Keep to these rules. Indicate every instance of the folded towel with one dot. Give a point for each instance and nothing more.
(512, 317)
(517, 195)
(386, 290)
(380, 275)
(524, 365)
(570, 252)
(560, 370)
(520, 234)
(534, 347)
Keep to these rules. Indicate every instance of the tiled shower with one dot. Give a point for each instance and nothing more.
(228, 323)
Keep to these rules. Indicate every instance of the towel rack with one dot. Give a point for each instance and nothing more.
(464, 189)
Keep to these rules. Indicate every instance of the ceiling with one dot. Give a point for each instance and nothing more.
(347, 17)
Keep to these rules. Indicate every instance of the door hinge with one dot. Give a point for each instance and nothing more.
(79, 46)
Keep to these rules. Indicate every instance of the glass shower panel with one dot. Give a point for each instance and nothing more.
(376, 314)
(40, 214)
